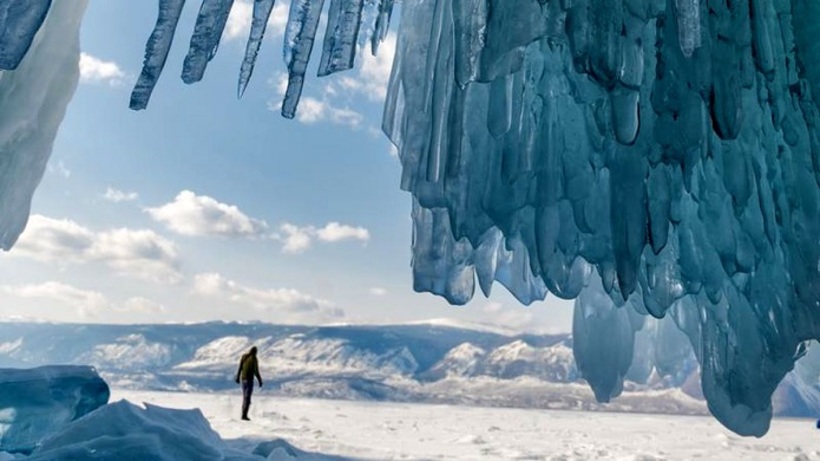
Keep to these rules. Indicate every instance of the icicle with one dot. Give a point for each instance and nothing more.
(341, 36)
(261, 12)
(213, 15)
(382, 25)
(688, 25)
(19, 23)
(156, 52)
(299, 37)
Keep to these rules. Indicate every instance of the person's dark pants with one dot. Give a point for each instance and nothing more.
(247, 390)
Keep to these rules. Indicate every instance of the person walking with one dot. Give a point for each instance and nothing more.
(248, 369)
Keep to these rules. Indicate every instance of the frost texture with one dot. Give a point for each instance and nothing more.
(37, 402)
(663, 154)
(34, 98)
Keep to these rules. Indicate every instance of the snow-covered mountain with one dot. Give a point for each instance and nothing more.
(416, 362)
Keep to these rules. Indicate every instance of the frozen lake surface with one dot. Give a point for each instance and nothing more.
(396, 431)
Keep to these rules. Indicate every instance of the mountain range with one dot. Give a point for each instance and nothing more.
(433, 363)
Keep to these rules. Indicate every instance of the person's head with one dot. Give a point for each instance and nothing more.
(253, 350)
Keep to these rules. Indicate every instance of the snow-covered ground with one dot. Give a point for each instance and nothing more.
(393, 431)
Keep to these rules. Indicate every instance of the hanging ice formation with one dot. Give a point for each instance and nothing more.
(666, 154)
(34, 93)
(662, 154)
(338, 50)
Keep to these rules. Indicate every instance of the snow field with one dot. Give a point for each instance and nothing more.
(394, 431)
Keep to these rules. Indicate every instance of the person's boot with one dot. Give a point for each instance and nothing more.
(245, 417)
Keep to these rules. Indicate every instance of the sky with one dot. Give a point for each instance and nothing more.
(206, 207)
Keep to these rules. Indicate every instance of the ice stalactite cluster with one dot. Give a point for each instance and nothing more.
(664, 154)
(341, 37)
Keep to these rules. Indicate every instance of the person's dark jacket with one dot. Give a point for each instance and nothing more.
(248, 369)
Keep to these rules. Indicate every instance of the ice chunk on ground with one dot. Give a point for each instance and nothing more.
(155, 433)
(37, 402)
(281, 450)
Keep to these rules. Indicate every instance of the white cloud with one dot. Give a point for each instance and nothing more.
(53, 240)
(334, 232)
(278, 21)
(59, 169)
(378, 291)
(313, 110)
(374, 71)
(518, 318)
(239, 21)
(141, 305)
(139, 253)
(117, 196)
(298, 239)
(200, 215)
(87, 303)
(95, 70)
(283, 304)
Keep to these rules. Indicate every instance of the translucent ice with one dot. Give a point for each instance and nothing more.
(34, 98)
(261, 12)
(670, 146)
(37, 402)
(213, 15)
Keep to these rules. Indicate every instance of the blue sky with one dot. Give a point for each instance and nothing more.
(205, 207)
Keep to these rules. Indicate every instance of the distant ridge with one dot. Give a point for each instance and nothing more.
(436, 361)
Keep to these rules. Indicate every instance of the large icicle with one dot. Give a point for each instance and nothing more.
(299, 37)
(19, 22)
(156, 52)
(210, 23)
(261, 12)
(341, 36)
